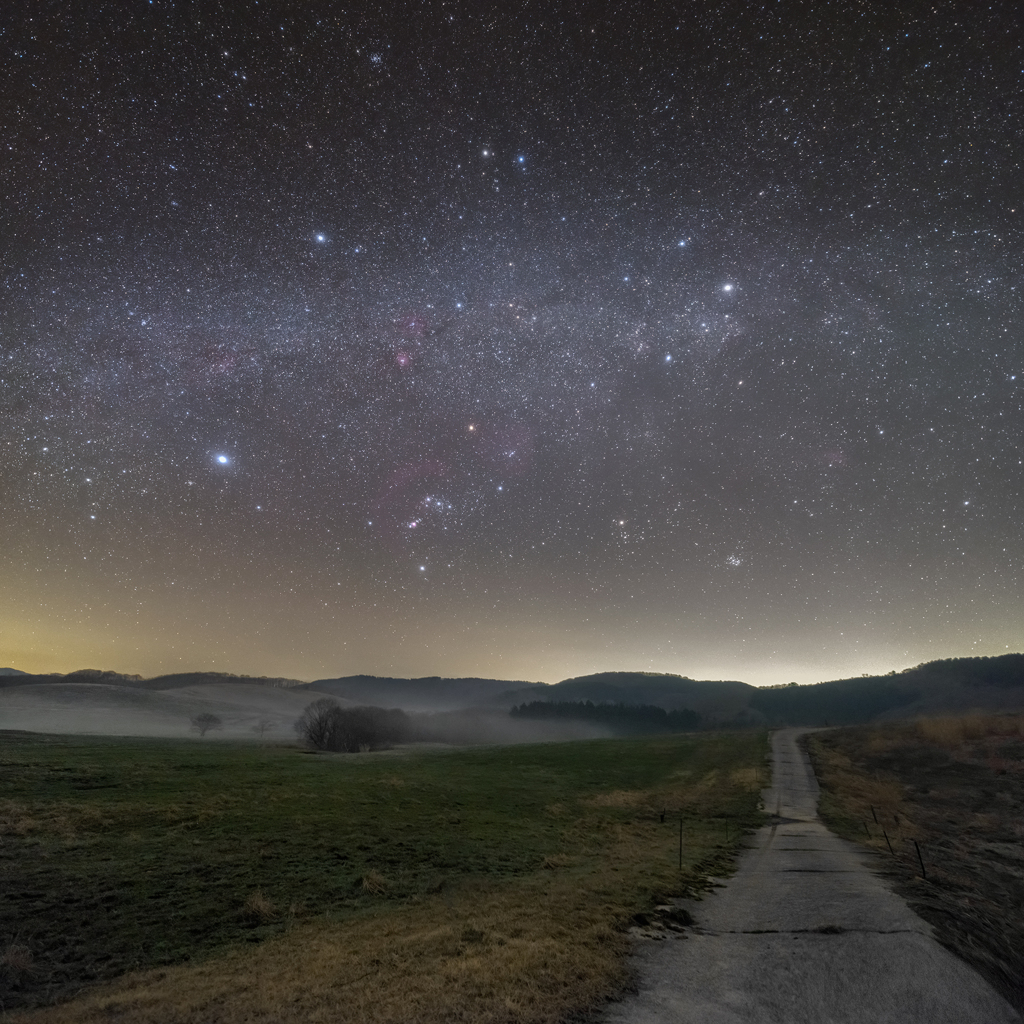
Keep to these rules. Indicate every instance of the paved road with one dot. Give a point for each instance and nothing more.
(805, 932)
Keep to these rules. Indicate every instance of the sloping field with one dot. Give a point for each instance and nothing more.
(113, 710)
(201, 882)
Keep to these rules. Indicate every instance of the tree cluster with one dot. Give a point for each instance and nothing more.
(621, 718)
(325, 725)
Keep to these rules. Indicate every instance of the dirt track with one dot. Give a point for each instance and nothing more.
(805, 931)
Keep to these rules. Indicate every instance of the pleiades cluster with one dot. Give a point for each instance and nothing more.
(488, 339)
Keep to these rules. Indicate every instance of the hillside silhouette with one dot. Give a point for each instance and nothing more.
(92, 700)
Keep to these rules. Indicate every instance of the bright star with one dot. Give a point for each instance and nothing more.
(321, 238)
(727, 287)
(223, 460)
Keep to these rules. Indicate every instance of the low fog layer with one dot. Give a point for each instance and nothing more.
(477, 710)
(102, 709)
(110, 710)
(487, 727)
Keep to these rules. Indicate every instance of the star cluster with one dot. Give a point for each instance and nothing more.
(489, 340)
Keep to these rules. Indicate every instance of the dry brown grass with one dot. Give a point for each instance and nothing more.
(621, 798)
(746, 778)
(374, 882)
(259, 908)
(17, 959)
(64, 819)
(954, 732)
(558, 860)
(698, 791)
(861, 797)
(532, 950)
(952, 788)
(536, 942)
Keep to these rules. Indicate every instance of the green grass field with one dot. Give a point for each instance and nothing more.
(128, 855)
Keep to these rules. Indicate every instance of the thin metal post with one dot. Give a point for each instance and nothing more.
(680, 844)
(924, 874)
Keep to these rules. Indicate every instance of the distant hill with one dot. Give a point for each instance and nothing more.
(83, 675)
(717, 702)
(12, 677)
(428, 693)
(953, 686)
(180, 679)
(841, 702)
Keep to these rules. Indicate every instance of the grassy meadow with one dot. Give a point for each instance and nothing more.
(954, 786)
(200, 881)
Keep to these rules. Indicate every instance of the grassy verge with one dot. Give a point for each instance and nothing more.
(955, 787)
(189, 881)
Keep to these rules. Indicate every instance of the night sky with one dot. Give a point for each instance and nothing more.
(516, 340)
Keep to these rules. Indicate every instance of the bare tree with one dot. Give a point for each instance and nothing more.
(317, 724)
(206, 721)
(263, 726)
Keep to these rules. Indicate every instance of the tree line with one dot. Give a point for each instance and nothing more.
(620, 718)
(325, 725)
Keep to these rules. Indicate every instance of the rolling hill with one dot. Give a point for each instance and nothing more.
(93, 701)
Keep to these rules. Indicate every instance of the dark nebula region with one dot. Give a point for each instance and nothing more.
(516, 340)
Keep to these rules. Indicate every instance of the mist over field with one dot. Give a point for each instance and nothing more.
(490, 711)
(247, 710)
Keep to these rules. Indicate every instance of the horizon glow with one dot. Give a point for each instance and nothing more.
(594, 365)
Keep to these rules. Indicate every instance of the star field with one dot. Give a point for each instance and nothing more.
(515, 341)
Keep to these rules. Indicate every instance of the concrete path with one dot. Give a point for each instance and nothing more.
(804, 932)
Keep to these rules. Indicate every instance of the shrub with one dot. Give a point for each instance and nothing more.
(374, 883)
(258, 908)
(18, 959)
(326, 726)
